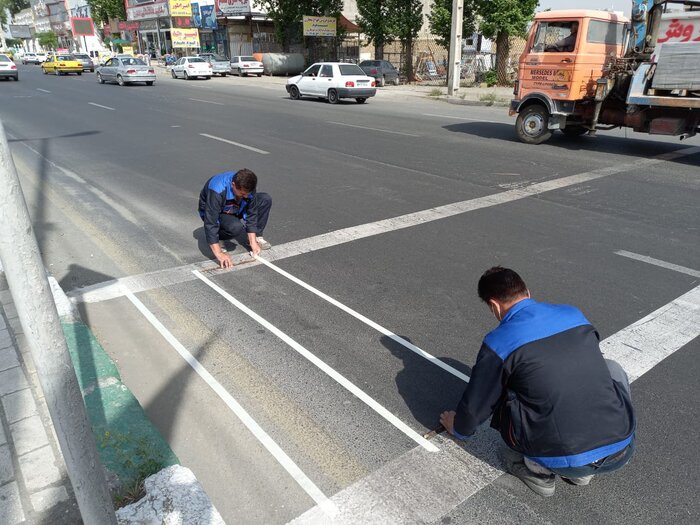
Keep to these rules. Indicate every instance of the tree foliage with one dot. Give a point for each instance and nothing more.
(373, 19)
(103, 10)
(14, 6)
(406, 20)
(287, 16)
(440, 19)
(47, 39)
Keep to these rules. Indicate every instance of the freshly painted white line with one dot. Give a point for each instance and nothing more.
(657, 262)
(139, 283)
(339, 378)
(251, 148)
(263, 437)
(413, 487)
(101, 106)
(367, 321)
(373, 129)
(465, 118)
(175, 126)
(43, 90)
(207, 101)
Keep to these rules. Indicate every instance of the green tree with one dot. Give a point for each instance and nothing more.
(287, 16)
(103, 10)
(373, 19)
(440, 20)
(14, 6)
(47, 39)
(502, 19)
(406, 20)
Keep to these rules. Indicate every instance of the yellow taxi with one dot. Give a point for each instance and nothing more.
(62, 65)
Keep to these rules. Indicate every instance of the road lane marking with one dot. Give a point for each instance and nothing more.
(373, 129)
(101, 106)
(657, 262)
(207, 101)
(251, 148)
(465, 118)
(367, 321)
(43, 90)
(339, 378)
(411, 488)
(263, 437)
(180, 274)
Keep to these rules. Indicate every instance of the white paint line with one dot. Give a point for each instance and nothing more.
(367, 321)
(465, 118)
(412, 488)
(373, 129)
(101, 106)
(207, 101)
(175, 126)
(339, 378)
(139, 283)
(657, 262)
(43, 90)
(251, 148)
(265, 440)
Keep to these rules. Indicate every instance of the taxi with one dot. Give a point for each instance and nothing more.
(62, 65)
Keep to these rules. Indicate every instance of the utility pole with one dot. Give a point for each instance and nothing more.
(26, 277)
(455, 58)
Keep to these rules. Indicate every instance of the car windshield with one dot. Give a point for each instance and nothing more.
(196, 59)
(65, 57)
(350, 69)
(219, 58)
(82, 57)
(248, 59)
(374, 63)
(4, 58)
(133, 62)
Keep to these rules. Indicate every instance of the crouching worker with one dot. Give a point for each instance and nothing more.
(561, 408)
(231, 209)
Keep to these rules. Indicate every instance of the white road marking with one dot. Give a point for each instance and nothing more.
(251, 148)
(263, 437)
(373, 129)
(421, 488)
(101, 106)
(175, 126)
(207, 101)
(657, 262)
(465, 118)
(339, 378)
(367, 321)
(43, 90)
(139, 283)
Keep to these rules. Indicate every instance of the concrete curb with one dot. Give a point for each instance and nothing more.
(130, 447)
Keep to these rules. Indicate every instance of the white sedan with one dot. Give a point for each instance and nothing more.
(332, 81)
(245, 65)
(191, 67)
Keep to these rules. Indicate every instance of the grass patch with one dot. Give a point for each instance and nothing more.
(489, 98)
(435, 92)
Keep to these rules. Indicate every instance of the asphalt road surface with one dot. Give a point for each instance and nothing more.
(315, 386)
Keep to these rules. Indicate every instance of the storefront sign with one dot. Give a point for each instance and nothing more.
(184, 37)
(182, 21)
(196, 16)
(233, 7)
(82, 26)
(319, 26)
(180, 8)
(208, 17)
(144, 12)
(129, 26)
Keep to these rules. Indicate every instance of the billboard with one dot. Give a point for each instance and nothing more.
(18, 31)
(233, 7)
(82, 26)
(184, 37)
(180, 8)
(144, 12)
(208, 17)
(196, 17)
(319, 25)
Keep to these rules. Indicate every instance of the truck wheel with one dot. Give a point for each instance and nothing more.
(531, 125)
(574, 131)
(333, 96)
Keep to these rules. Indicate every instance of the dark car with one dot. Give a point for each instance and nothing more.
(86, 61)
(381, 70)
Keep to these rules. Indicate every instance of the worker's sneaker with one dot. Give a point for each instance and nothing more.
(541, 484)
(264, 245)
(582, 481)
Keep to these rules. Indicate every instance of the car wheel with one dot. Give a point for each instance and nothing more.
(333, 96)
(80, 73)
(396, 80)
(187, 76)
(382, 81)
(172, 72)
(207, 78)
(58, 73)
(224, 74)
(361, 100)
(44, 70)
(92, 70)
(532, 125)
(120, 80)
(294, 93)
(259, 75)
(100, 79)
(149, 82)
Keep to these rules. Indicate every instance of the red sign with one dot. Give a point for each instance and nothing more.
(182, 21)
(82, 26)
(680, 31)
(129, 26)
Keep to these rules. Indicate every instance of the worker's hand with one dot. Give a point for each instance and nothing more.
(255, 248)
(447, 419)
(224, 260)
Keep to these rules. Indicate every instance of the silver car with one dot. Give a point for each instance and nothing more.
(219, 65)
(126, 70)
(85, 61)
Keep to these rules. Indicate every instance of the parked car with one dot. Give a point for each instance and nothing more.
(29, 58)
(126, 70)
(381, 70)
(62, 65)
(8, 69)
(191, 67)
(246, 65)
(220, 65)
(85, 61)
(332, 81)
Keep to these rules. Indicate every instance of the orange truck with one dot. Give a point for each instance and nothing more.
(586, 70)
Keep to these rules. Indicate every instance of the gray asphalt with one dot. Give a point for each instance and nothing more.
(113, 193)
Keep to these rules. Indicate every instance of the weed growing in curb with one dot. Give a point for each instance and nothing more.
(435, 92)
(489, 98)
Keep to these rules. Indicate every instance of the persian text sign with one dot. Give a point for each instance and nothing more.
(180, 8)
(233, 7)
(319, 26)
(144, 12)
(82, 26)
(185, 37)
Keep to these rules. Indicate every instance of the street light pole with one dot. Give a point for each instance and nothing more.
(455, 58)
(31, 294)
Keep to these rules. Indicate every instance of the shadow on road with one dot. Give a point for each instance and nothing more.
(203, 246)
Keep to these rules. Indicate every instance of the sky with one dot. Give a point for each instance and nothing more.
(616, 5)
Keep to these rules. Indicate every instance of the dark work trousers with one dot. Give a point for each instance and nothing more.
(232, 227)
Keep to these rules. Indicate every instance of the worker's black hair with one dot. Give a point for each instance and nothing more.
(246, 180)
(502, 284)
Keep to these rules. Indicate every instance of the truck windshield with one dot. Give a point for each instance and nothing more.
(555, 37)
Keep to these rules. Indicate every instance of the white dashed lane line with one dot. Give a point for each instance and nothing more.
(251, 148)
(43, 90)
(206, 101)
(101, 106)
(373, 129)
